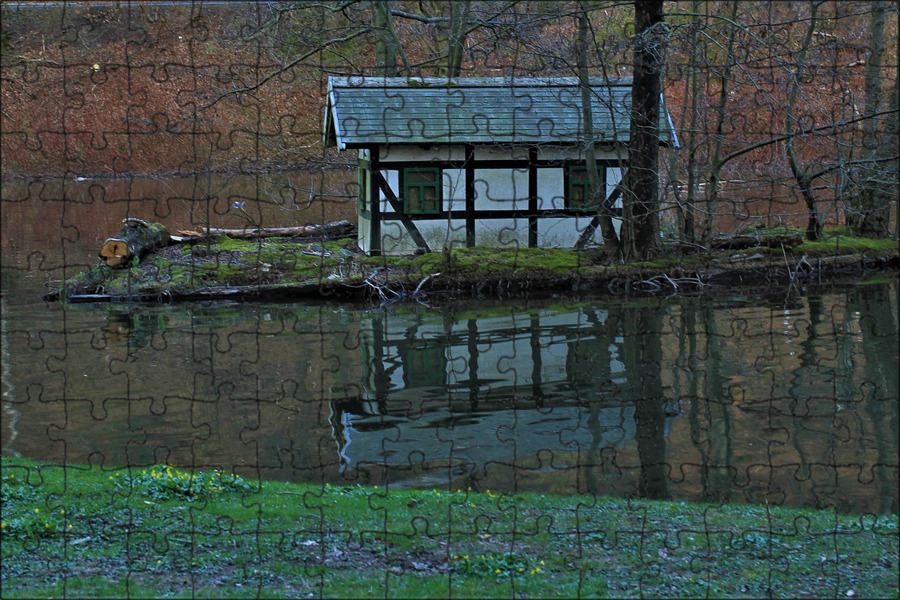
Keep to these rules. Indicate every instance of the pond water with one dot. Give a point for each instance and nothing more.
(786, 399)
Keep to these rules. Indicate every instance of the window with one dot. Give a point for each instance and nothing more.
(579, 196)
(424, 362)
(421, 191)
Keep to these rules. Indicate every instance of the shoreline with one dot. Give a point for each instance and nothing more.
(415, 282)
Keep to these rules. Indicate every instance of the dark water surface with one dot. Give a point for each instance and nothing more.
(737, 399)
(787, 399)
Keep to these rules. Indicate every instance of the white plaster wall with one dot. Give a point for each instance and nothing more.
(393, 181)
(482, 153)
(564, 153)
(437, 234)
(564, 232)
(550, 185)
(401, 153)
(613, 177)
(363, 224)
(502, 189)
(394, 239)
(454, 192)
(560, 232)
(501, 233)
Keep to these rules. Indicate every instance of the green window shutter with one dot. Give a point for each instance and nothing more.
(422, 191)
(363, 179)
(578, 195)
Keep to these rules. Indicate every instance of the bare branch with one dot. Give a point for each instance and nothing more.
(283, 69)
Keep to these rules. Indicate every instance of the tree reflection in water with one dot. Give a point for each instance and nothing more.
(716, 399)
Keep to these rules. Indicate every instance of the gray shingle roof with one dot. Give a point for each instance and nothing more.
(478, 110)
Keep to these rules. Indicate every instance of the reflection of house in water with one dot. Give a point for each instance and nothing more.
(465, 396)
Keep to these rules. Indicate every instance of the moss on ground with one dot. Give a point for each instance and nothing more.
(279, 264)
(841, 242)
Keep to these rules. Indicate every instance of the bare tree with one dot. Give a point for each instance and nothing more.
(597, 190)
(717, 139)
(686, 207)
(802, 175)
(640, 227)
(387, 44)
(456, 43)
(870, 211)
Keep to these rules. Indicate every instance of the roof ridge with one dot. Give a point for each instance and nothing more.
(378, 81)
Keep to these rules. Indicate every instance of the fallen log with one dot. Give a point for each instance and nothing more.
(135, 240)
(741, 242)
(332, 229)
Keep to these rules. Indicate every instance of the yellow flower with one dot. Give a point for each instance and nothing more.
(3, 525)
(37, 510)
(96, 67)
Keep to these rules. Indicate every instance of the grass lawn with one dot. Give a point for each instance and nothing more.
(96, 532)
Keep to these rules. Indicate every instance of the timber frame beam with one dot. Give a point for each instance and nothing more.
(410, 225)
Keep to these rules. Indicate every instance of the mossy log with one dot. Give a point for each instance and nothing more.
(739, 242)
(335, 229)
(136, 239)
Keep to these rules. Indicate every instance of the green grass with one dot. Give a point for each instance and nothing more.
(841, 241)
(100, 532)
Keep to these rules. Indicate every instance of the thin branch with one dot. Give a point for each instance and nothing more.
(281, 70)
(782, 138)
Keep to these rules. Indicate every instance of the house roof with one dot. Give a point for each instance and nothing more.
(367, 111)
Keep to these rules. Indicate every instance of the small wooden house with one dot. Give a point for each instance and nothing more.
(478, 161)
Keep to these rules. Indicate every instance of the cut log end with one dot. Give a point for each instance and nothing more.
(114, 252)
(135, 240)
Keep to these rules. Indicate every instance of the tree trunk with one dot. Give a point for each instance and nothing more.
(136, 239)
(598, 194)
(687, 214)
(641, 225)
(718, 139)
(456, 43)
(387, 44)
(804, 181)
(871, 209)
(892, 130)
